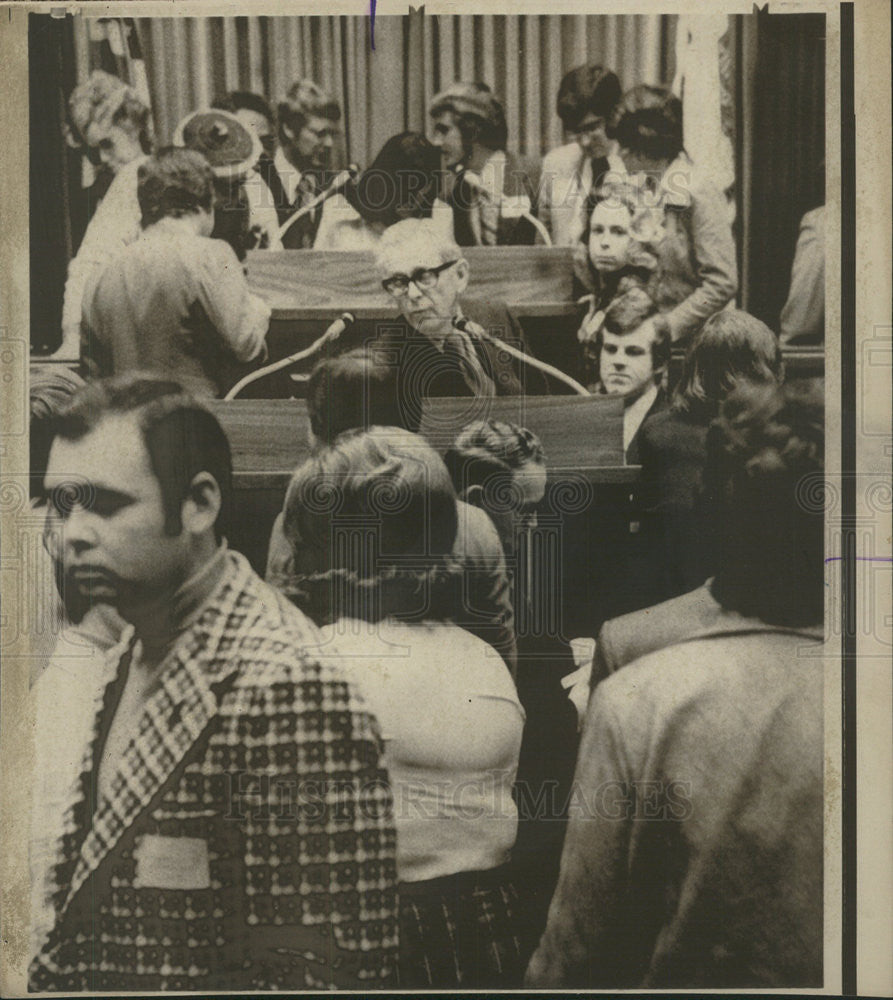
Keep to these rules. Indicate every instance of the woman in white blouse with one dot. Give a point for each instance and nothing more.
(378, 511)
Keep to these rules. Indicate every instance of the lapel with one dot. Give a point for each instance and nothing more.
(173, 719)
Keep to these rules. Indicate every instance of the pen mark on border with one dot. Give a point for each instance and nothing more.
(372, 24)
(860, 559)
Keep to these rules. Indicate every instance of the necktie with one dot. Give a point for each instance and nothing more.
(459, 349)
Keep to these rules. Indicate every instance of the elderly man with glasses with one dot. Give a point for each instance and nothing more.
(426, 276)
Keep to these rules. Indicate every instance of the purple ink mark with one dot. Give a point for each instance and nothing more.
(860, 559)
(372, 24)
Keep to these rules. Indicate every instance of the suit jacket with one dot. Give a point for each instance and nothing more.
(521, 179)
(659, 405)
(249, 843)
(693, 857)
(424, 371)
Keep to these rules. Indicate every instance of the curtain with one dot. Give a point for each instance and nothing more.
(383, 91)
(781, 157)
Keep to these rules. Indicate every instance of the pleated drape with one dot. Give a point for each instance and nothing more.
(386, 90)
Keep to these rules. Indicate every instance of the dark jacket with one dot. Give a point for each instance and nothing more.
(521, 179)
(425, 371)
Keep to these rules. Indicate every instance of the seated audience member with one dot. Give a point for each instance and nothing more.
(242, 215)
(732, 347)
(587, 98)
(502, 468)
(175, 302)
(448, 710)
(109, 119)
(308, 127)
(426, 274)
(697, 265)
(219, 676)
(803, 315)
(632, 350)
(401, 183)
(491, 185)
(693, 857)
(351, 392)
(618, 254)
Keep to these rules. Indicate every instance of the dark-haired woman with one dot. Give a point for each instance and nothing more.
(402, 183)
(375, 512)
(697, 263)
(733, 347)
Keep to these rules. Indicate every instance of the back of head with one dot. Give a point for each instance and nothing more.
(765, 477)
(402, 180)
(584, 90)
(173, 183)
(731, 347)
(649, 123)
(182, 438)
(354, 390)
(306, 99)
(244, 100)
(371, 502)
(479, 115)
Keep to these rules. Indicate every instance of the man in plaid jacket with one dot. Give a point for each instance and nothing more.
(232, 824)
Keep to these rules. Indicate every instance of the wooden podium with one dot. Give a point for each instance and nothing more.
(582, 438)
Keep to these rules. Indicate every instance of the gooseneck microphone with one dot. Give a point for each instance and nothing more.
(331, 334)
(476, 330)
(477, 185)
(338, 182)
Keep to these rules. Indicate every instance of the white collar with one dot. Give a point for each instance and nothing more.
(635, 413)
(288, 173)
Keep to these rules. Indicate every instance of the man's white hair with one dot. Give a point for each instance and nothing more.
(416, 229)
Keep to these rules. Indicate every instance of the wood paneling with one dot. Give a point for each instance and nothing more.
(316, 284)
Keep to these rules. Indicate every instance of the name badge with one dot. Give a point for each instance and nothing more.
(172, 863)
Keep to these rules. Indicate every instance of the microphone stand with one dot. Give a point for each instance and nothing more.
(461, 323)
(336, 185)
(332, 333)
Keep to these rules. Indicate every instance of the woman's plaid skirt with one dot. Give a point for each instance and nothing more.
(460, 931)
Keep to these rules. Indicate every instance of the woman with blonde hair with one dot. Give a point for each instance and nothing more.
(375, 514)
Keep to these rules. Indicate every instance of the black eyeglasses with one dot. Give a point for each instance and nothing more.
(422, 277)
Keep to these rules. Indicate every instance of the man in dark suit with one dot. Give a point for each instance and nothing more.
(231, 827)
(633, 349)
(308, 128)
(426, 275)
(492, 186)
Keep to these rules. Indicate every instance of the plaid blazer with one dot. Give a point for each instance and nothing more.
(249, 841)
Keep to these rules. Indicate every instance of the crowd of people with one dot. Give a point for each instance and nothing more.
(364, 770)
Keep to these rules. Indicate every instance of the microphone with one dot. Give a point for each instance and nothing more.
(476, 330)
(509, 207)
(333, 332)
(338, 182)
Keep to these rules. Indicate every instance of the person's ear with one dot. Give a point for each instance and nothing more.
(462, 274)
(201, 508)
